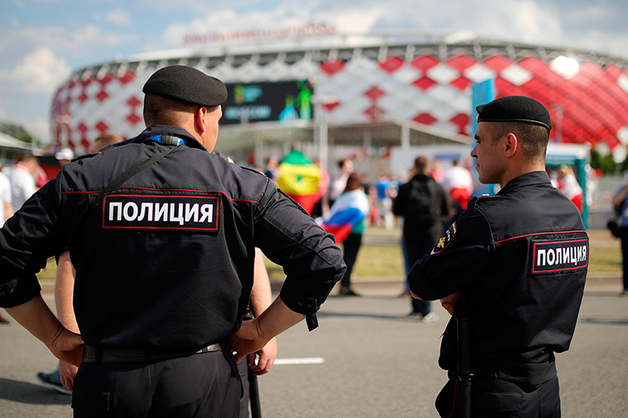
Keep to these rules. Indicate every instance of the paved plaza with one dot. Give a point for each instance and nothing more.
(368, 359)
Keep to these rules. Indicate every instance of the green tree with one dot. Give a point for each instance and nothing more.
(604, 162)
(16, 131)
(624, 165)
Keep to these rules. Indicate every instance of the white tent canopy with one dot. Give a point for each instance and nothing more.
(9, 143)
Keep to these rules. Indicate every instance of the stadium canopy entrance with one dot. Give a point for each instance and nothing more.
(257, 137)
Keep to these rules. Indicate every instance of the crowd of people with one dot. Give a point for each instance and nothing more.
(346, 202)
(385, 208)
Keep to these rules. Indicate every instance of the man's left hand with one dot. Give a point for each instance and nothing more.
(449, 302)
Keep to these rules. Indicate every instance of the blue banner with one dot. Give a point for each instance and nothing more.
(481, 93)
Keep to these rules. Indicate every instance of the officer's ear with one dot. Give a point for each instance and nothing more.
(200, 119)
(510, 145)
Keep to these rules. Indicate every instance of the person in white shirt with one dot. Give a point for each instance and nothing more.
(458, 182)
(339, 183)
(6, 207)
(568, 184)
(23, 181)
(6, 210)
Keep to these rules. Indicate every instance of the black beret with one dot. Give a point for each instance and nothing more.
(515, 109)
(187, 84)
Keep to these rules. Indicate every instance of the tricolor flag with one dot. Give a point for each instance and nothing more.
(298, 178)
(347, 211)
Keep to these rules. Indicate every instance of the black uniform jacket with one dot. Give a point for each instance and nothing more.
(519, 260)
(166, 260)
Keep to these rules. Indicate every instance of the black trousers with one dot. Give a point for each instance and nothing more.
(200, 385)
(351, 246)
(624, 254)
(243, 369)
(416, 250)
(495, 398)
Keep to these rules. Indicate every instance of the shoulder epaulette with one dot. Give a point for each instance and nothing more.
(253, 170)
(82, 157)
(478, 199)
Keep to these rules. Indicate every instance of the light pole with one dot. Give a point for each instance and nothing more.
(321, 127)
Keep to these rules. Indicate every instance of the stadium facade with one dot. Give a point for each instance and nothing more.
(370, 91)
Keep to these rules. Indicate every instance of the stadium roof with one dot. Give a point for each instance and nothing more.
(344, 45)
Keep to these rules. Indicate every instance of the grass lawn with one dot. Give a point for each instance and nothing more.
(605, 259)
(386, 260)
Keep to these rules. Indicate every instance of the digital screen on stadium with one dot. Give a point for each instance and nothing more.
(284, 101)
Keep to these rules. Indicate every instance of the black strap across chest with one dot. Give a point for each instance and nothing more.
(135, 169)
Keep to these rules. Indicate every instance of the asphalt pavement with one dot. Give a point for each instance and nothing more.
(369, 359)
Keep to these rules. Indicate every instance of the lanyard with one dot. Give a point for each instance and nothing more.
(166, 140)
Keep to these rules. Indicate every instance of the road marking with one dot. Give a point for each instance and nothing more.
(303, 360)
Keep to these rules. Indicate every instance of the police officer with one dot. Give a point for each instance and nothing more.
(162, 234)
(512, 268)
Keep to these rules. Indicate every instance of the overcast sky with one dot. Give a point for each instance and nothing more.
(43, 41)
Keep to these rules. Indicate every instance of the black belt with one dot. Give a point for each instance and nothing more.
(99, 355)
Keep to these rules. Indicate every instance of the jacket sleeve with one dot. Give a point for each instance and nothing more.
(27, 240)
(459, 258)
(311, 260)
(399, 202)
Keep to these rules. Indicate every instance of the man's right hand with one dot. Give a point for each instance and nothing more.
(39, 320)
(256, 333)
(68, 346)
(67, 372)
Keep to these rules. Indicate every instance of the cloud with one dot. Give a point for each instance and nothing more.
(82, 43)
(201, 6)
(521, 20)
(600, 27)
(40, 128)
(225, 21)
(351, 20)
(552, 23)
(38, 71)
(118, 17)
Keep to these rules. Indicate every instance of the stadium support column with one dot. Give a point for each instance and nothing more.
(260, 151)
(321, 130)
(368, 146)
(405, 136)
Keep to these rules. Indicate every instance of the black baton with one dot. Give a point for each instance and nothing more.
(256, 407)
(463, 403)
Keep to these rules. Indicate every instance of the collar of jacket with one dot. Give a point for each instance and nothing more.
(156, 130)
(528, 179)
